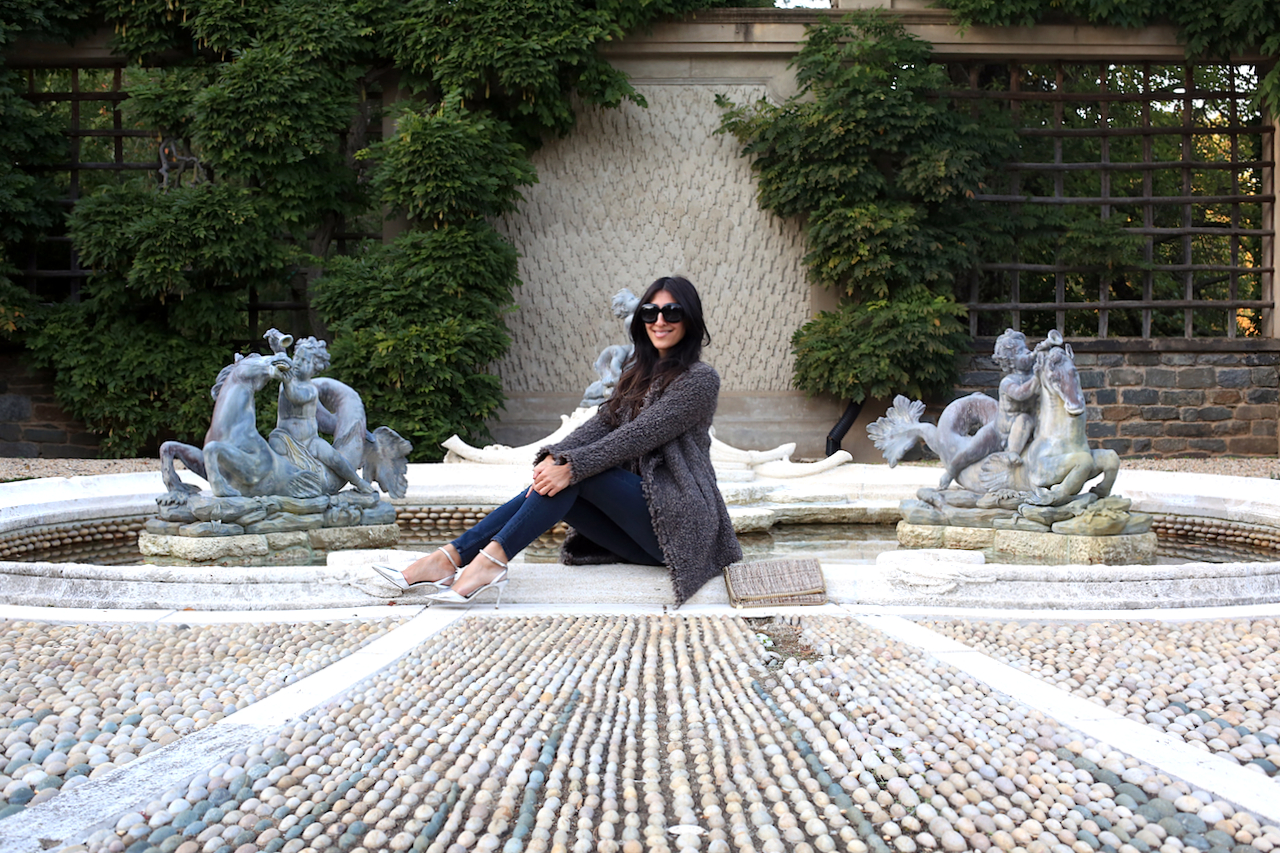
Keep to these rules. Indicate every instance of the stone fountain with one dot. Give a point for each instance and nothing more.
(63, 542)
(281, 499)
(1015, 468)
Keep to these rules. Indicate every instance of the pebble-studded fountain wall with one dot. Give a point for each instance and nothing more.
(638, 193)
(113, 541)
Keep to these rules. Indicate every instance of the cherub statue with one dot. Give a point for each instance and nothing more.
(610, 362)
(297, 435)
(1015, 421)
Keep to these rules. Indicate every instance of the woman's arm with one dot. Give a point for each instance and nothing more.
(689, 400)
(594, 428)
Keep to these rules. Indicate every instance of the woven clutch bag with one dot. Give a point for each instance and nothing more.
(775, 582)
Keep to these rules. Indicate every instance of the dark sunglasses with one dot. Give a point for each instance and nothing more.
(672, 312)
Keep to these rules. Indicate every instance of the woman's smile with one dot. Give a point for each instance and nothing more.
(662, 334)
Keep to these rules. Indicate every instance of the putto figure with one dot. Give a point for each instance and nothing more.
(1015, 420)
(612, 359)
(297, 432)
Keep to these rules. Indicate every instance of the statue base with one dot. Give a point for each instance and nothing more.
(290, 548)
(201, 515)
(1028, 546)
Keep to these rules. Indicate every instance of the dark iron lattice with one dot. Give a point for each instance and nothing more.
(90, 105)
(102, 147)
(1177, 156)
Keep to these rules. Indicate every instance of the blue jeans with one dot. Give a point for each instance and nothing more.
(609, 509)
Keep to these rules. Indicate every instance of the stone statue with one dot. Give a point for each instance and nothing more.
(294, 480)
(1019, 461)
(1015, 419)
(297, 432)
(611, 360)
(236, 459)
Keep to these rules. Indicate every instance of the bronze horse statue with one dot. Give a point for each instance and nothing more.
(1053, 468)
(236, 460)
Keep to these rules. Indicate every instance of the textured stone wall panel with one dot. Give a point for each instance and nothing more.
(633, 194)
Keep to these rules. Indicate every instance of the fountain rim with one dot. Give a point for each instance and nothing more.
(868, 493)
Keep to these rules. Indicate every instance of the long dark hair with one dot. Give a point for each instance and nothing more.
(646, 366)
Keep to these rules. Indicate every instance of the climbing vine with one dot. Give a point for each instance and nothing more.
(268, 115)
(883, 171)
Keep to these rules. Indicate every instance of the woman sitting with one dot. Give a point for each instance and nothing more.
(634, 482)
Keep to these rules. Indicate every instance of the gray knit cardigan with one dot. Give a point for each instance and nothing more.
(668, 439)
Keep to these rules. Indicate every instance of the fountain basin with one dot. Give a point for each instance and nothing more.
(443, 498)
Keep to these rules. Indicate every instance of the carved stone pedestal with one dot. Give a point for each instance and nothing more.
(291, 548)
(1025, 546)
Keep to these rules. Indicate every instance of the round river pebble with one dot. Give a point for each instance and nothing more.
(676, 734)
(77, 701)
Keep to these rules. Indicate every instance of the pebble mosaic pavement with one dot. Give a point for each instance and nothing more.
(77, 701)
(1214, 684)
(659, 734)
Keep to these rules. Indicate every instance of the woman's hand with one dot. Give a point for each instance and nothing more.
(550, 478)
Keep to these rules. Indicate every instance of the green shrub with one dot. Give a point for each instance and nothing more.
(882, 171)
(882, 347)
(417, 324)
(448, 164)
(28, 197)
(131, 380)
(135, 358)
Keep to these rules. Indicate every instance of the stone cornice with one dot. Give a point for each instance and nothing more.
(744, 33)
(747, 34)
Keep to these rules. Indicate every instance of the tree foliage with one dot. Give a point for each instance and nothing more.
(882, 170)
(449, 164)
(416, 328)
(524, 60)
(278, 104)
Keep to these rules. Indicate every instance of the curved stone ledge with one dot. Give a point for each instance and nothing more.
(180, 587)
(1093, 587)
(849, 494)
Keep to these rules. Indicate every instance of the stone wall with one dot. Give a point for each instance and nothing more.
(634, 194)
(1167, 398)
(32, 424)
